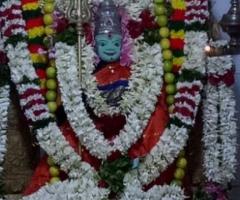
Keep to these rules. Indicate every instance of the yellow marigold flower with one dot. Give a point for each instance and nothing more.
(177, 34)
(35, 32)
(179, 4)
(38, 58)
(178, 61)
(30, 6)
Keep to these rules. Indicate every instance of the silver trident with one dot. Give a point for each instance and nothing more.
(78, 11)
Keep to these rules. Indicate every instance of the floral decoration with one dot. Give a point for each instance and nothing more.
(219, 120)
(83, 179)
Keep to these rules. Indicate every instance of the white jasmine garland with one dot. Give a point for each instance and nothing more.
(220, 130)
(19, 60)
(4, 105)
(228, 130)
(195, 42)
(210, 139)
(174, 138)
(50, 137)
(133, 190)
(145, 80)
(81, 189)
(144, 88)
(163, 153)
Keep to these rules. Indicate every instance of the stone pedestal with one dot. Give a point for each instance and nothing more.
(20, 154)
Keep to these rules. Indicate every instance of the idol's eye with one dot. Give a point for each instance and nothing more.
(102, 44)
(117, 44)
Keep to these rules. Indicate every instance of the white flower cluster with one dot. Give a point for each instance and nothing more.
(81, 189)
(53, 142)
(197, 11)
(146, 84)
(220, 130)
(133, 190)
(219, 65)
(4, 105)
(163, 153)
(20, 62)
(195, 43)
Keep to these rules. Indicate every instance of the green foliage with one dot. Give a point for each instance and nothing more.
(179, 123)
(29, 14)
(197, 26)
(42, 123)
(68, 36)
(15, 39)
(113, 173)
(177, 25)
(151, 36)
(178, 53)
(35, 40)
(4, 75)
(199, 194)
(190, 75)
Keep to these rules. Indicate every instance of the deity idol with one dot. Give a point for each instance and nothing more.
(112, 81)
(111, 76)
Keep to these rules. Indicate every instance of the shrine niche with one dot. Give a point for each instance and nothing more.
(110, 91)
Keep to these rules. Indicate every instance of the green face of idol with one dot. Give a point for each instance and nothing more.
(109, 47)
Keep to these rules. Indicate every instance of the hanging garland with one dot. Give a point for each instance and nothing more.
(175, 136)
(219, 121)
(32, 102)
(147, 70)
(52, 140)
(4, 103)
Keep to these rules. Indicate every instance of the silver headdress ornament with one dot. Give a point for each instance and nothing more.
(107, 19)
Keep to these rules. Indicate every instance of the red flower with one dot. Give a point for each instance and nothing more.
(148, 21)
(3, 58)
(88, 33)
(35, 48)
(176, 68)
(177, 44)
(60, 22)
(227, 78)
(178, 15)
(41, 73)
(135, 28)
(102, 184)
(35, 22)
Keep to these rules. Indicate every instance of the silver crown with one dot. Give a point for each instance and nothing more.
(107, 19)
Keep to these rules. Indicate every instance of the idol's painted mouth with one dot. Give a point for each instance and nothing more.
(110, 53)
